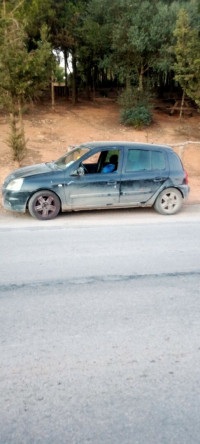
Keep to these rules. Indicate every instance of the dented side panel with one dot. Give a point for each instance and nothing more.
(139, 188)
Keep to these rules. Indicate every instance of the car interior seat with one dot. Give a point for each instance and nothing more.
(114, 161)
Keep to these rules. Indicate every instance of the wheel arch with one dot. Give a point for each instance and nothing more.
(164, 187)
(169, 201)
(43, 189)
(179, 189)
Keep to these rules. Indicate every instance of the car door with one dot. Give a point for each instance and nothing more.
(98, 187)
(144, 172)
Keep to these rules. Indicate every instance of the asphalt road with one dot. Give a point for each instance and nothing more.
(100, 332)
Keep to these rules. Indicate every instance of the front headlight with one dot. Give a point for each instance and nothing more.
(15, 185)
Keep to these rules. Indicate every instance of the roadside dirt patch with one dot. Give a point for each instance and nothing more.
(49, 134)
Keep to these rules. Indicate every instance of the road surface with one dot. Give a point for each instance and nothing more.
(100, 332)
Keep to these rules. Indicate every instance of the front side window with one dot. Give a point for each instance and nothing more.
(144, 160)
(102, 162)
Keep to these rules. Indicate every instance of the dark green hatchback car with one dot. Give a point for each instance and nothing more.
(100, 175)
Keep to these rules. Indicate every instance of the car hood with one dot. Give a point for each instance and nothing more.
(29, 171)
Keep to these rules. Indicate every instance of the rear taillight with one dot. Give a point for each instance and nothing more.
(186, 177)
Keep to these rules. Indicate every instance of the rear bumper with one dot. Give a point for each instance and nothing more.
(185, 189)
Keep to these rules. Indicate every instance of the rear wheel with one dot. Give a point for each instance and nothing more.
(169, 201)
(44, 205)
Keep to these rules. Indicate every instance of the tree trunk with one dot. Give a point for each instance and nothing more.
(4, 7)
(128, 82)
(74, 92)
(52, 92)
(94, 82)
(141, 74)
(17, 138)
(22, 144)
(88, 83)
(182, 104)
(65, 67)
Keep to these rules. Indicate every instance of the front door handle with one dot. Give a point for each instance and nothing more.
(112, 182)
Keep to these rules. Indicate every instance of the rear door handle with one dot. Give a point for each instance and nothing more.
(159, 179)
(111, 182)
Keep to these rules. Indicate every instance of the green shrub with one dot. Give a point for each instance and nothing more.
(136, 116)
(128, 98)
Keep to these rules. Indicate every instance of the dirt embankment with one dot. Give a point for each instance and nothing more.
(49, 133)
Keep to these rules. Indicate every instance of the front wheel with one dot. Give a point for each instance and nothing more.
(169, 201)
(44, 205)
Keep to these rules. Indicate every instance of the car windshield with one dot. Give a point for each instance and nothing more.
(71, 157)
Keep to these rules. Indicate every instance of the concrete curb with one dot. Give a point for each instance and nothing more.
(189, 213)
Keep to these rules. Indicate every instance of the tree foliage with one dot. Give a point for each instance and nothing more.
(187, 52)
(23, 72)
(138, 46)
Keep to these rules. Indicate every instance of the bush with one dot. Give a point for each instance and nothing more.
(136, 107)
(128, 98)
(136, 116)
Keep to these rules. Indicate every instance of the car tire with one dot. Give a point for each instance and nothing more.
(169, 201)
(44, 205)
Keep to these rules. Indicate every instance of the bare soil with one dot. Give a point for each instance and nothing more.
(51, 132)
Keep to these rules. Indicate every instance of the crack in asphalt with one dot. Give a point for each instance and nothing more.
(89, 280)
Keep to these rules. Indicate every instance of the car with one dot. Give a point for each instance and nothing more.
(100, 175)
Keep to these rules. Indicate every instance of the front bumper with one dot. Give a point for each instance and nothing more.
(15, 200)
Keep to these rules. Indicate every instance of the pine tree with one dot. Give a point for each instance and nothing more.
(23, 73)
(187, 52)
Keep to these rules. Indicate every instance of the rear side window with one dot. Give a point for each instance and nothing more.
(140, 160)
(157, 160)
(175, 162)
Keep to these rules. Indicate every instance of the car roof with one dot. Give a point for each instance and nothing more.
(138, 145)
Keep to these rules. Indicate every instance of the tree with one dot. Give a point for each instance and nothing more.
(141, 37)
(187, 52)
(66, 34)
(23, 73)
(96, 41)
